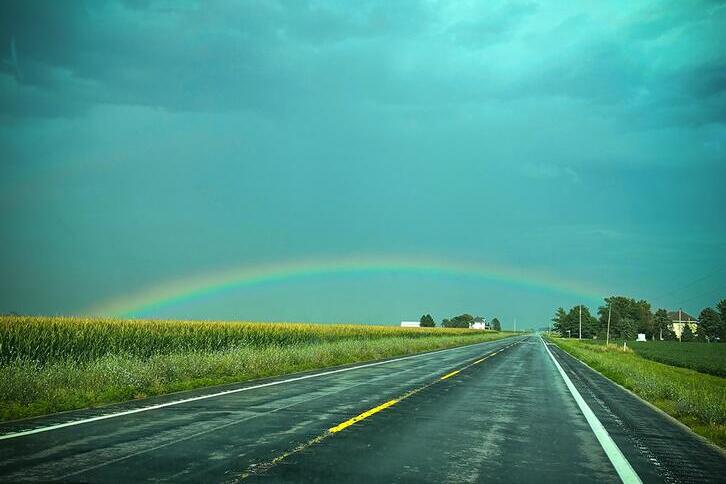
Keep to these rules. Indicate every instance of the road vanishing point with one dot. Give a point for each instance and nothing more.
(512, 410)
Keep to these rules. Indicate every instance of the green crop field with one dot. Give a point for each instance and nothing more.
(697, 399)
(50, 364)
(703, 357)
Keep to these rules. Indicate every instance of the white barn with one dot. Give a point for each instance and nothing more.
(410, 324)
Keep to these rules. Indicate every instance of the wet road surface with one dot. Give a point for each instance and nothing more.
(498, 411)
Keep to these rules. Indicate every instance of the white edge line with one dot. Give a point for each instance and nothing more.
(660, 411)
(625, 471)
(226, 392)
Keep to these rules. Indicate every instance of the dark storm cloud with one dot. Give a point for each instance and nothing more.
(145, 140)
(208, 57)
(493, 27)
(268, 56)
(601, 72)
(103, 53)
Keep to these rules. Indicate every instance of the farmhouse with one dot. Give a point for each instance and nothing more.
(483, 324)
(679, 320)
(410, 324)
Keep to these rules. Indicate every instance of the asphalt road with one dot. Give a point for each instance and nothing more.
(499, 411)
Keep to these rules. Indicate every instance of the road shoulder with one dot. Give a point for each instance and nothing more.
(658, 448)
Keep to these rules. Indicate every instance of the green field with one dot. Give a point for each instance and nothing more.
(703, 357)
(696, 399)
(53, 364)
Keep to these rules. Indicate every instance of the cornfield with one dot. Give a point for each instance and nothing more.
(49, 339)
(51, 364)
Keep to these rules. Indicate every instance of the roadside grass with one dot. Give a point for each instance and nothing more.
(50, 365)
(696, 399)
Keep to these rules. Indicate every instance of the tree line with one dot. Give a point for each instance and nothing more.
(629, 317)
(460, 321)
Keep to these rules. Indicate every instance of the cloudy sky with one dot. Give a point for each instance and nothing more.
(143, 143)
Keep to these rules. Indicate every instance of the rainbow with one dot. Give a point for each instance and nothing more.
(202, 285)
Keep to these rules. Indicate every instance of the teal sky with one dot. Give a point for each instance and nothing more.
(147, 142)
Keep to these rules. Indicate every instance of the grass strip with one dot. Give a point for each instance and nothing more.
(30, 388)
(696, 399)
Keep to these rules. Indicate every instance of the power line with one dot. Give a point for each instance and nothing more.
(688, 284)
(711, 291)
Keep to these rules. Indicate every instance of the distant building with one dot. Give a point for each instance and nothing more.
(481, 324)
(410, 324)
(679, 320)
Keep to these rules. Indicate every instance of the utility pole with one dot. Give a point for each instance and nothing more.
(579, 336)
(515, 325)
(680, 337)
(607, 337)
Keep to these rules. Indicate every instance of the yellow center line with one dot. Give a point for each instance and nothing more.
(333, 430)
(449, 375)
(390, 403)
(482, 359)
(362, 416)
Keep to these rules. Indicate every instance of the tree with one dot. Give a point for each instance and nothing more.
(643, 318)
(496, 325)
(560, 322)
(626, 328)
(687, 333)
(625, 307)
(709, 325)
(589, 323)
(605, 312)
(427, 321)
(463, 320)
(722, 312)
(460, 321)
(661, 325)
